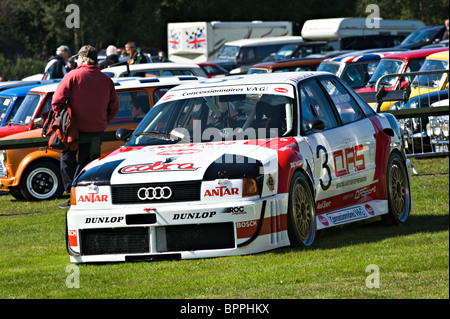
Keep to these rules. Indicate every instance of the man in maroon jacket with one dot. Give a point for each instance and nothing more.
(94, 102)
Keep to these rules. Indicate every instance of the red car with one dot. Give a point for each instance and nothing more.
(212, 69)
(402, 62)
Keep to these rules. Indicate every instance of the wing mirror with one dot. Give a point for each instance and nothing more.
(123, 134)
(316, 125)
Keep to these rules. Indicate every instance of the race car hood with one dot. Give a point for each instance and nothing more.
(184, 162)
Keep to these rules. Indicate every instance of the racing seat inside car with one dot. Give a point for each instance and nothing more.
(271, 117)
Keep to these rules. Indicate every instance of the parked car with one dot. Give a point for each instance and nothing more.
(437, 129)
(291, 65)
(237, 56)
(300, 50)
(422, 36)
(231, 166)
(212, 69)
(415, 133)
(402, 62)
(33, 173)
(431, 83)
(10, 101)
(154, 69)
(355, 70)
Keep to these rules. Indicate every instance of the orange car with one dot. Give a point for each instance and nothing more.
(34, 173)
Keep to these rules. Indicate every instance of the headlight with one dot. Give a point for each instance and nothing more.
(445, 129)
(73, 196)
(429, 130)
(395, 106)
(437, 131)
(249, 187)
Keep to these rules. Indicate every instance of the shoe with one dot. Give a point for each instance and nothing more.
(65, 205)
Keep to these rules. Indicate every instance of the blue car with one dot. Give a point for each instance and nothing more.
(11, 99)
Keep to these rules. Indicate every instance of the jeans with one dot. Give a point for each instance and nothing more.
(70, 166)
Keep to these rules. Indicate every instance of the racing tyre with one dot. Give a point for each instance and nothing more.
(301, 212)
(41, 181)
(398, 191)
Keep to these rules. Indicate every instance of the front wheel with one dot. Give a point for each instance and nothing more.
(41, 181)
(398, 190)
(301, 212)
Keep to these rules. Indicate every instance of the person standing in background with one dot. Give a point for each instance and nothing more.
(93, 101)
(56, 66)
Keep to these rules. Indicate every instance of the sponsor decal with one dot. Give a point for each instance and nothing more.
(158, 166)
(151, 193)
(271, 183)
(351, 182)
(73, 238)
(347, 215)
(248, 223)
(365, 191)
(236, 210)
(179, 152)
(369, 209)
(280, 90)
(296, 164)
(167, 97)
(348, 160)
(221, 191)
(103, 220)
(92, 198)
(324, 204)
(323, 220)
(193, 215)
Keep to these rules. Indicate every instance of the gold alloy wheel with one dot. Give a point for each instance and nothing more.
(398, 190)
(302, 211)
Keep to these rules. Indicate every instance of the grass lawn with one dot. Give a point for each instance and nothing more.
(411, 261)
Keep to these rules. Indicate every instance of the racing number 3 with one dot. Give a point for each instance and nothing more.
(325, 166)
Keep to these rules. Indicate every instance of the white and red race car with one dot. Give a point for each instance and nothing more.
(240, 165)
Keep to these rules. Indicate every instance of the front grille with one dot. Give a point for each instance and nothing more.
(195, 237)
(181, 192)
(130, 240)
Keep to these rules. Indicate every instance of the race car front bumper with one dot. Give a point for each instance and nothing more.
(177, 231)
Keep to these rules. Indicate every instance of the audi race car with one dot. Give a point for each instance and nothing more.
(240, 165)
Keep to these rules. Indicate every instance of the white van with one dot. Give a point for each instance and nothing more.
(154, 70)
(196, 42)
(247, 52)
(359, 33)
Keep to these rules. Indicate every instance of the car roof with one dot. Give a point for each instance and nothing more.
(151, 66)
(439, 56)
(130, 83)
(359, 58)
(18, 91)
(420, 53)
(252, 79)
(264, 41)
(288, 62)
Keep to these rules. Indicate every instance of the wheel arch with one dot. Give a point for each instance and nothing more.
(32, 158)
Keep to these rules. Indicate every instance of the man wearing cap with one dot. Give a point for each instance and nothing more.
(56, 66)
(93, 101)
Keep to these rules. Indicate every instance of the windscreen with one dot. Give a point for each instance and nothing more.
(386, 67)
(219, 114)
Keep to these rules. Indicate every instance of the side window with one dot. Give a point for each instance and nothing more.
(132, 107)
(353, 75)
(315, 105)
(348, 109)
(159, 93)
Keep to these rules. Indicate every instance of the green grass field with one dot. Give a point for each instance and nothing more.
(412, 261)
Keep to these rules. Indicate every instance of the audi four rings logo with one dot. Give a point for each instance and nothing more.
(154, 193)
